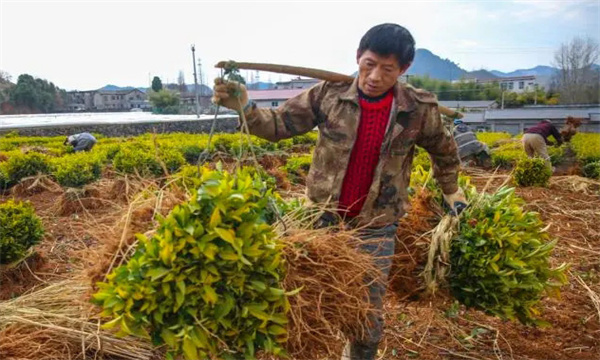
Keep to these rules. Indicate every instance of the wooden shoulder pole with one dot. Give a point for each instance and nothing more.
(312, 73)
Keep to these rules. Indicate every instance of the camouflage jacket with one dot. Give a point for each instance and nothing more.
(334, 109)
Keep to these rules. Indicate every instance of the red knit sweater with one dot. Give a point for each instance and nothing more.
(373, 123)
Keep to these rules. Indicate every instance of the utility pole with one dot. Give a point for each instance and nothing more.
(201, 79)
(195, 80)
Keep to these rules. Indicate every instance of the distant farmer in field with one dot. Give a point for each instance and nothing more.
(81, 142)
(367, 135)
(535, 140)
(470, 150)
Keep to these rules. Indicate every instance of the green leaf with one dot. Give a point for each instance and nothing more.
(157, 273)
(236, 196)
(210, 251)
(124, 327)
(279, 319)
(258, 285)
(189, 349)
(179, 299)
(169, 337)
(224, 307)
(276, 330)
(276, 291)
(215, 218)
(199, 338)
(181, 286)
(226, 234)
(190, 229)
(259, 314)
(111, 324)
(294, 292)
(209, 295)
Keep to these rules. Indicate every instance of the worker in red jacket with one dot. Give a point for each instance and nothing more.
(535, 140)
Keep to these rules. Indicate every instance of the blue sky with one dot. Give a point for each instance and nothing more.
(87, 44)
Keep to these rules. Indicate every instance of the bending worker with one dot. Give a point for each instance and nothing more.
(535, 140)
(361, 164)
(470, 149)
(81, 142)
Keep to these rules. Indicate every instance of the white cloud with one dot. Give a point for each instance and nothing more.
(529, 9)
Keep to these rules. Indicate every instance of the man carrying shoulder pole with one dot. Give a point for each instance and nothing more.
(368, 130)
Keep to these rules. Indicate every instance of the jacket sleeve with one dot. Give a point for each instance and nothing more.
(556, 134)
(296, 116)
(440, 144)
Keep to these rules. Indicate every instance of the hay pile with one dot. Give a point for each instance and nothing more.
(56, 322)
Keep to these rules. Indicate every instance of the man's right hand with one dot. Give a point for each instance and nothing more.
(224, 94)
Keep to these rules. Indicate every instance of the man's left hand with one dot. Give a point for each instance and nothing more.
(457, 201)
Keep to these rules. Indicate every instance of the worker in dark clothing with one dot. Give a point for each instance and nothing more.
(470, 150)
(535, 140)
(81, 142)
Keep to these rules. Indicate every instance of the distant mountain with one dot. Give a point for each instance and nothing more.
(481, 75)
(111, 87)
(427, 63)
(540, 70)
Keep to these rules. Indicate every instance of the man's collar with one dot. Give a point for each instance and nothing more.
(404, 101)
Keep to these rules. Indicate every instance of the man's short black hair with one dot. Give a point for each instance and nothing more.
(389, 39)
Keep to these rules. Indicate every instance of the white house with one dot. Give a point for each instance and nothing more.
(516, 84)
(120, 99)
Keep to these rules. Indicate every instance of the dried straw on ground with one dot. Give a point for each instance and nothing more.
(56, 321)
(138, 217)
(35, 184)
(577, 184)
(75, 200)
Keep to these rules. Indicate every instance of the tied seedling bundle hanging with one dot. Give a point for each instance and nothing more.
(215, 281)
(208, 281)
(495, 256)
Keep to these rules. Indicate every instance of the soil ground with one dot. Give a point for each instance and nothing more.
(416, 326)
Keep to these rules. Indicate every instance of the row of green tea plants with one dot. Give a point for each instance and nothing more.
(147, 155)
(506, 151)
(156, 155)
